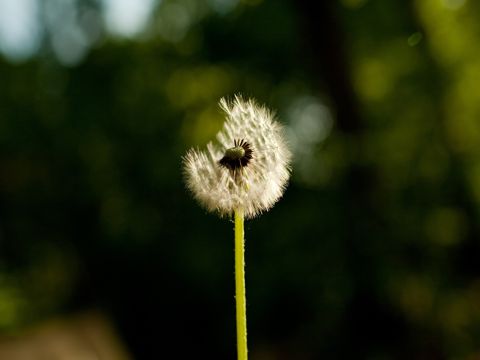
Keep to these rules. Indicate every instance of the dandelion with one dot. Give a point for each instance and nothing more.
(243, 174)
(249, 167)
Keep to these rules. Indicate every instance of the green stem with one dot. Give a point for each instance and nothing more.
(240, 286)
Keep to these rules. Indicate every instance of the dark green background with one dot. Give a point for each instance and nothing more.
(373, 253)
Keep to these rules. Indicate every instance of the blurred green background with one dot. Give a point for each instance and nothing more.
(373, 253)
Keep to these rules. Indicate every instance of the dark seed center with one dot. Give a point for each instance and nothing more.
(236, 152)
(237, 156)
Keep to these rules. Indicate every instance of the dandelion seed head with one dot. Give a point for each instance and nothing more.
(247, 168)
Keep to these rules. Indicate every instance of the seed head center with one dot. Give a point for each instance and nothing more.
(235, 153)
(237, 156)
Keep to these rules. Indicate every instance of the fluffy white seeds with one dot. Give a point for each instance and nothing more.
(249, 166)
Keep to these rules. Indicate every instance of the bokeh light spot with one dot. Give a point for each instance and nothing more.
(127, 17)
(20, 29)
(414, 39)
(373, 79)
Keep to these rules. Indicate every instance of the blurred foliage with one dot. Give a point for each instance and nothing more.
(372, 253)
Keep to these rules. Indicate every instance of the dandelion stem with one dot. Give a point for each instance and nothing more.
(240, 298)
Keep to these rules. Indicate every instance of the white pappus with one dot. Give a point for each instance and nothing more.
(247, 168)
